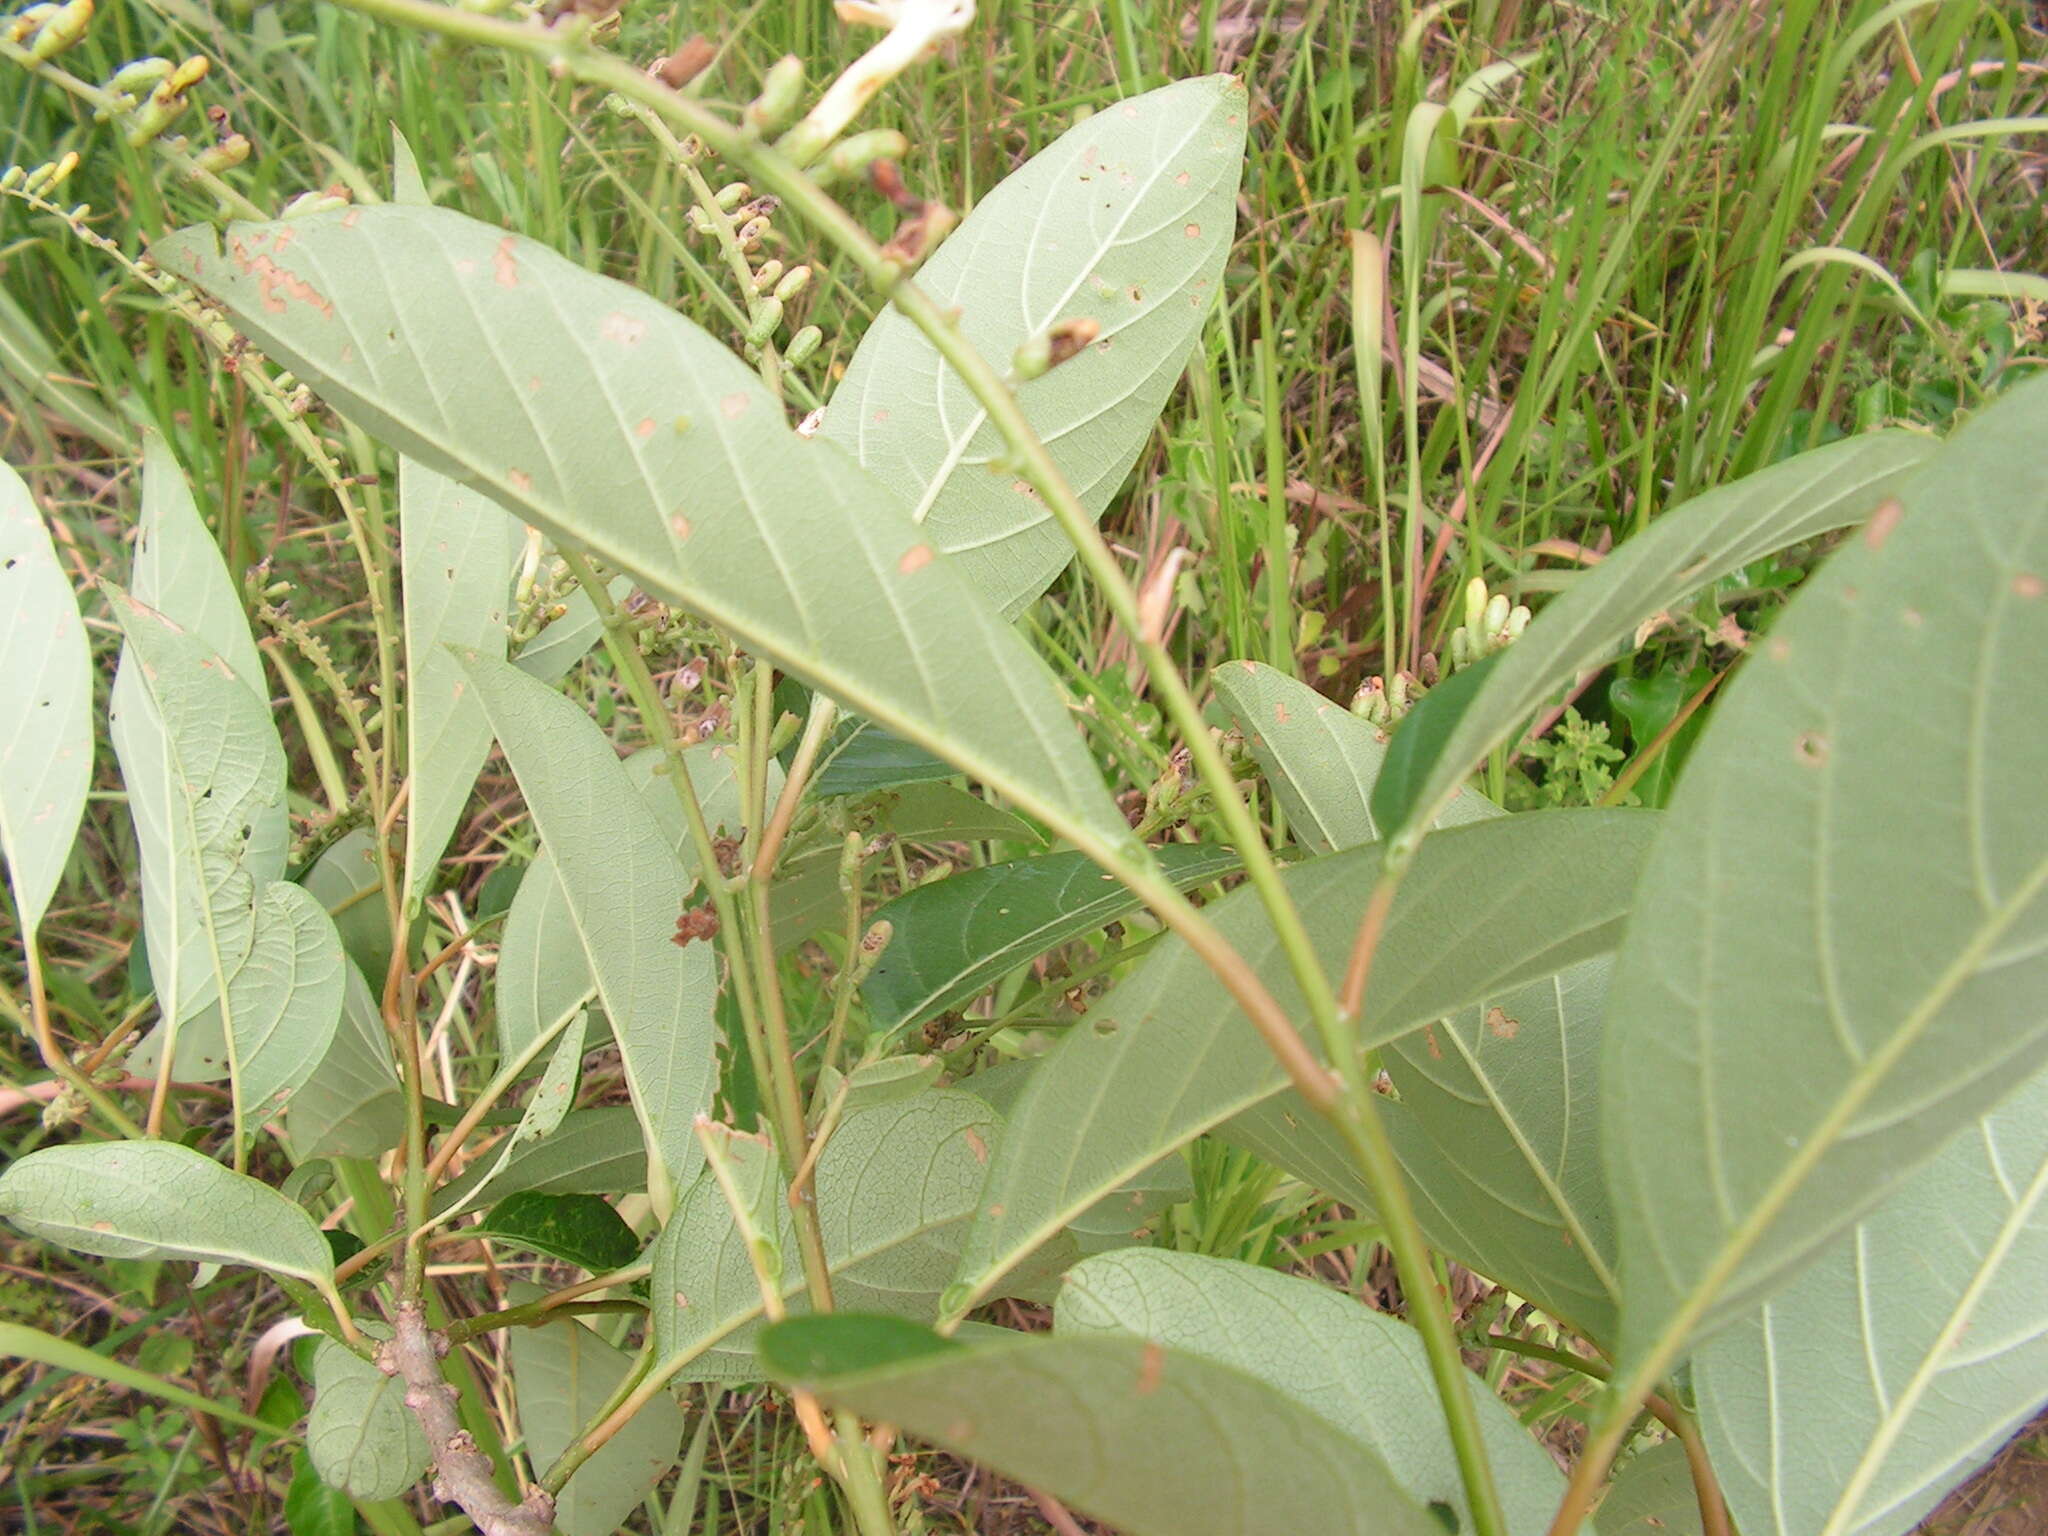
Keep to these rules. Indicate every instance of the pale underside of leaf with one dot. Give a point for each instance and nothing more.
(594, 411)
(1359, 1370)
(1166, 1056)
(46, 690)
(564, 1374)
(1157, 1442)
(158, 1199)
(458, 548)
(894, 1186)
(1125, 220)
(624, 888)
(1844, 932)
(1852, 1403)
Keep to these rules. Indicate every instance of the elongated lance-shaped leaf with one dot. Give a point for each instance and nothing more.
(1507, 1094)
(1360, 1371)
(179, 570)
(546, 1109)
(543, 973)
(457, 548)
(1321, 759)
(1166, 1055)
(1124, 221)
(262, 952)
(1156, 1441)
(593, 1151)
(1682, 551)
(1497, 1133)
(160, 1200)
(600, 414)
(564, 1374)
(46, 690)
(1843, 934)
(625, 888)
(959, 936)
(895, 1184)
(1851, 1403)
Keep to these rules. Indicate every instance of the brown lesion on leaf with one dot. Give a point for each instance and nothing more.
(915, 559)
(679, 525)
(1193, 230)
(1500, 1024)
(277, 285)
(519, 480)
(644, 428)
(2028, 585)
(1811, 748)
(1882, 522)
(1151, 1367)
(734, 405)
(505, 263)
(622, 328)
(976, 1145)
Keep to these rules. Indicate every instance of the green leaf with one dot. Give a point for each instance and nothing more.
(1905, 1357)
(346, 881)
(957, 937)
(565, 1374)
(946, 813)
(594, 1151)
(608, 419)
(458, 548)
(205, 775)
(624, 888)
(1653, 1496)
(46, 690)
(859, 757)
(582, 1230)
(261, 952)
(1361, 1372)
(1843, 937)
(543, 972)
(1166, 1056)
(1125, 220)
(1506, 1097)
(311, 1508)
(1683, 550)
(360, 1435)
(350, 1106)
(1152, 1440)
(179, 570)
(837, 1343)
(894, 1185)
(1321, 759)
(1419, 739)
(157, 1199)
(1497, 1133)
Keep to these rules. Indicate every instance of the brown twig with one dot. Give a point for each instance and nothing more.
(462, 1473)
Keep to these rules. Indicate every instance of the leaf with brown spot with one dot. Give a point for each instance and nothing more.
(792, 548)
(1842, 939)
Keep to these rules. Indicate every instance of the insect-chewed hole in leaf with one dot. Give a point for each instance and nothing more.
(1812, 748)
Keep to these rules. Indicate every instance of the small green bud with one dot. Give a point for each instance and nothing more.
(138, 75)
(854, 155)
(802, 345)
(782, 89)
(1475, 602)
(769, 275)
(750, 233)
(731, 195)
(793, 283)
(12, 177)
(767, 320)
(230, 152)
(60, 31)
(1496, 616)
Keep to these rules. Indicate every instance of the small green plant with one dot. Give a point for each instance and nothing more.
(1692, 1087)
